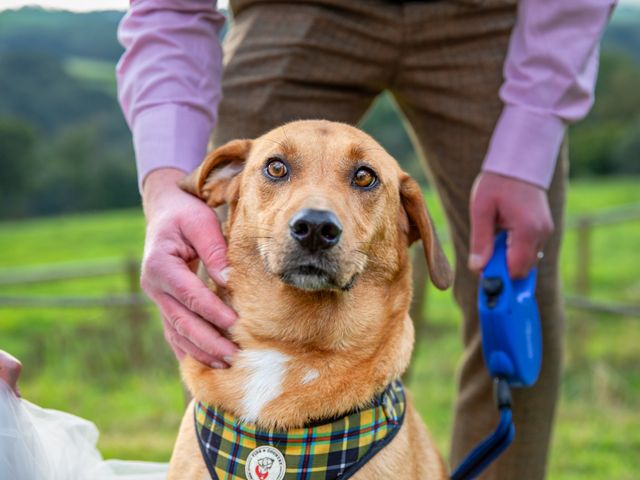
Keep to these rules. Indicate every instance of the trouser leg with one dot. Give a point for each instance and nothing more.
(448, 89)
(303, 60)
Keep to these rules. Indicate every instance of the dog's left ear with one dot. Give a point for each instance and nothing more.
(214, 180)
(420, 226)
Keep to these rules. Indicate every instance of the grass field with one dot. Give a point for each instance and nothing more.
(77, 360)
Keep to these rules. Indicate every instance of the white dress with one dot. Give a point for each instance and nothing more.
(42, 444)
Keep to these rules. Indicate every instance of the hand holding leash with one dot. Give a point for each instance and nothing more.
(514, 205)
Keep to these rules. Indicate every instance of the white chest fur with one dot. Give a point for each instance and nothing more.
(266, 370)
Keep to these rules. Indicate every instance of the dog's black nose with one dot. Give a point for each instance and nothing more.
(315, 229)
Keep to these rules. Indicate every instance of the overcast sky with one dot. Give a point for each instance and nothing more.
(85, 5)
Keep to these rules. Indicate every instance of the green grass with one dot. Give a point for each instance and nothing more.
(77, 360)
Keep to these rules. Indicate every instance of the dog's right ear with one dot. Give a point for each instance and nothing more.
(213, 179)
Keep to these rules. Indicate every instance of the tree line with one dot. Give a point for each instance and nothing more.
(64, 145)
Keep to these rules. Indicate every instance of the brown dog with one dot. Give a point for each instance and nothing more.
(320, 221)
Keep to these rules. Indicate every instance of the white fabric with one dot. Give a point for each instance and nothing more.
(42, 444)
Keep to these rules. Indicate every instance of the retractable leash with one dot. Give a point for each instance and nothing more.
(512, 349)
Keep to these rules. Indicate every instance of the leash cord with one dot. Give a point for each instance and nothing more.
(492, 446)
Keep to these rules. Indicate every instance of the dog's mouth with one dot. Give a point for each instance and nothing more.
(313, 278)
(311, 270)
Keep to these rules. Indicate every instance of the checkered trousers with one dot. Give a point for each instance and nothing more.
(319, 452)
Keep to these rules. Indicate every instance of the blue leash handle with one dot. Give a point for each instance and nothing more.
(509, 321)
(511, 346)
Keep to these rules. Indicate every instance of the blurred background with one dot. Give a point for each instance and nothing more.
(71, 237)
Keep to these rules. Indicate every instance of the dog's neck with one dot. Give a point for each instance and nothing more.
(308, 356)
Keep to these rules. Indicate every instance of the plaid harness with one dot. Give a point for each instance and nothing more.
(234, 450)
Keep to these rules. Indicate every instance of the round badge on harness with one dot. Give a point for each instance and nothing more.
(265, 463)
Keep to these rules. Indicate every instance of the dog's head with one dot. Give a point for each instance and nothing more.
(318, 206)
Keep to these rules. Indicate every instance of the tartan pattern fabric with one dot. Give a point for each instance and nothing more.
(318, 452)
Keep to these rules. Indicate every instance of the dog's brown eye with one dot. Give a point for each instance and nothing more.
(364, 178)
(276, 168)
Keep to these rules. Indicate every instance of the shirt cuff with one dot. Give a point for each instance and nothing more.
(525, 145)
(170, 136)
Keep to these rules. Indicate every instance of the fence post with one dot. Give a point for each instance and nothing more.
(583, 251)
(136, 315)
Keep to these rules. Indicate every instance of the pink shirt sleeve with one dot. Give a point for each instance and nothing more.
(169, 80)
(550, 74)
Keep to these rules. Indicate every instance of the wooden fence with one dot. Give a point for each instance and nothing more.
(56, 273)
(585, 225)
(134, 301)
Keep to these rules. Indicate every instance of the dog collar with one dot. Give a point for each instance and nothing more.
(234, 450)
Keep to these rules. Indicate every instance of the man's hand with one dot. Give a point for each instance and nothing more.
(10, 368)
(505, 203)
(181, 229)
